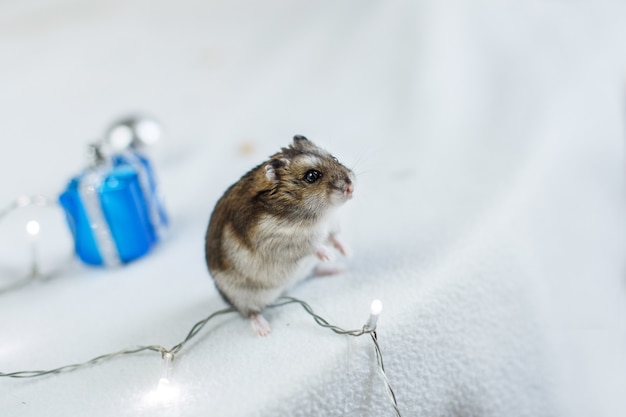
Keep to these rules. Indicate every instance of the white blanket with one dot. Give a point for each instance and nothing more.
(488, 140)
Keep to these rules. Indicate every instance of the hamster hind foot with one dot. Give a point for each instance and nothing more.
(260, 326)
(325, 270)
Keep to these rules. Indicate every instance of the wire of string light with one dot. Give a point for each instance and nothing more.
(169, 354)
(26, 201)
(368, 328)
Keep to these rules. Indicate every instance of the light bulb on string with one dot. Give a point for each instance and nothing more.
(166, 370)
(165, 392)
(32, 229)
(375, 310)
(22, 201)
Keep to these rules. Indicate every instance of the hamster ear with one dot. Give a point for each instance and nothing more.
(299, 138)
(273, 166)
(302, 143)
(270, 173)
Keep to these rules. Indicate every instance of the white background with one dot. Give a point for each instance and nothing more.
(488, 140)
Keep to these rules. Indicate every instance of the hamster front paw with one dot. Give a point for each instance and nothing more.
(340, 245)
(324, 253)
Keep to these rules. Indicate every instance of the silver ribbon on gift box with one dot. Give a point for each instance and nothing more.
(88, 190)
(151, 198)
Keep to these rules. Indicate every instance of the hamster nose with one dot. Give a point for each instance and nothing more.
(349, 188)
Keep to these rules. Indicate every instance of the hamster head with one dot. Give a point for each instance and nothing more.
(307, 181)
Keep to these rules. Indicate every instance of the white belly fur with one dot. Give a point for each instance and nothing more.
(282, 258)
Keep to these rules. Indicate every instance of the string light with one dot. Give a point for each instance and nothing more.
(381, 367)
(139, 132)
(26, 201)
(369, 328)
(168, 357)
(375, 309)
(33, 228)
(166, 392)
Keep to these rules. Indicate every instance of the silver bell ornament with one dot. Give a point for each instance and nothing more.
(96, 154)
(134, 132)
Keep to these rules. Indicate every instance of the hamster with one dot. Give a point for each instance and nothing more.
(272, 227)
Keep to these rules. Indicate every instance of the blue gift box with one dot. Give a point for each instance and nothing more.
(114, 212)
(147, 180)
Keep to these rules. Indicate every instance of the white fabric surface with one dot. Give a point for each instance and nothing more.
(489, 216)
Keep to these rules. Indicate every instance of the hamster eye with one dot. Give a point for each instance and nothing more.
(312, 175)
(335, 159)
